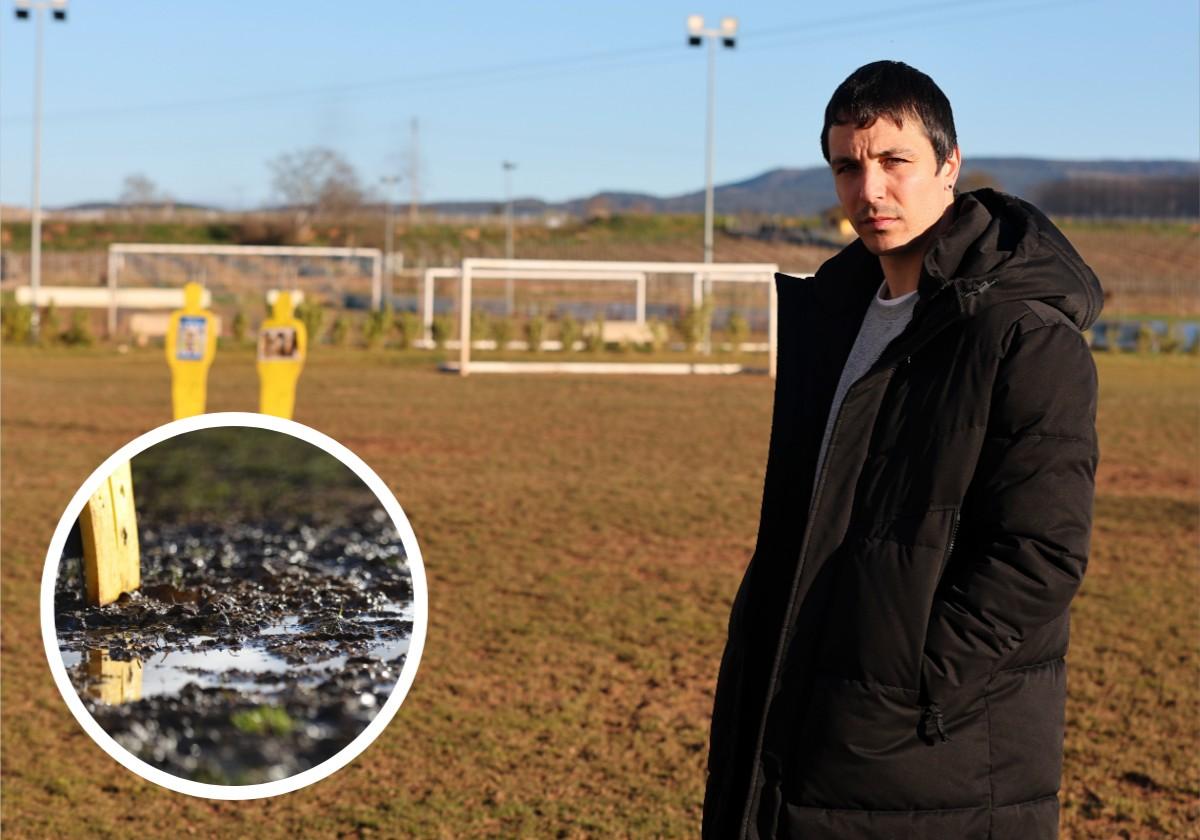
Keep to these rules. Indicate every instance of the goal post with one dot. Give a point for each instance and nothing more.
(238, 260)
(630, 273)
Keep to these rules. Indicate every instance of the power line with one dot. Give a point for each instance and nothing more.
(485, 71)
(660, 53)
(858, 20)
(777, 38)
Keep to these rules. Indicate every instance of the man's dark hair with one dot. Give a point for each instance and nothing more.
(894, 90)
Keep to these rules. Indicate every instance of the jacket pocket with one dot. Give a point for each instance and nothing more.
(884, 583)
(861, 746)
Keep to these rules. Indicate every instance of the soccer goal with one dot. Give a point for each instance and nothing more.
(346, 274)
(622, 297)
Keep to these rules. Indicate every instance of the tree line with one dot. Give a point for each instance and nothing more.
(1128, 197)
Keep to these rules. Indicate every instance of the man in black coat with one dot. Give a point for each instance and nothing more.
(895, 663)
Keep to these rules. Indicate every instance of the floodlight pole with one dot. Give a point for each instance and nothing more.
(728, 35)
(708, 151)
(388, 233)
(35, 235)
(509, 301)
(23, 7)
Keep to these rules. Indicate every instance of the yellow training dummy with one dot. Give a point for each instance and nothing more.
(282, 344)
(191, 346)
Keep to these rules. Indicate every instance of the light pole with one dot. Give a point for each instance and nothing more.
(59, 10)
(388, 233)
(508, 167)
(697, 34)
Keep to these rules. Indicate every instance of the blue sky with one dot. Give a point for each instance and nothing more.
(200, 96)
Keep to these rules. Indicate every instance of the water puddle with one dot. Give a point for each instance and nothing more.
(247, 669)
(250, 652)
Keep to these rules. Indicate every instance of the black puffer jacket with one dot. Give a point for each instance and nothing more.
(895, 666)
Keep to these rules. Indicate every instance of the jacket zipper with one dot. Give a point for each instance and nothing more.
(953, 534)
(783, 633)
(931, 713)
(819, 486)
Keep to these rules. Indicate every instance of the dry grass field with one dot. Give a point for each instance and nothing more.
(583, 538)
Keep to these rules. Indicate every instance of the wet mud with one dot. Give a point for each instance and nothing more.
(251, 651)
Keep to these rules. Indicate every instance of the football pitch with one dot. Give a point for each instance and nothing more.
(583, 538)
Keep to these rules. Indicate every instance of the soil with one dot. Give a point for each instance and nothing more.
(251, 652)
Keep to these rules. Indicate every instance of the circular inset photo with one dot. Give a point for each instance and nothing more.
(234, 606)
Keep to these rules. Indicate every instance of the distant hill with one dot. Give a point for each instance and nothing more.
(103, 209)
(1095, 187)
(808, 191)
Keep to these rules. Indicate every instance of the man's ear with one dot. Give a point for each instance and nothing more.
(952, 168)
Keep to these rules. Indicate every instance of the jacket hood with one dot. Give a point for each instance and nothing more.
(1000, 248)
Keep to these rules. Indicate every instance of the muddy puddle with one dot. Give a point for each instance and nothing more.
(251, 652)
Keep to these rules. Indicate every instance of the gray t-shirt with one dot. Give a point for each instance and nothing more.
(885, 319)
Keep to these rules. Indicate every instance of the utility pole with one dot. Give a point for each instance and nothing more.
(388, 232)
(508, 167)
(414, 170)
(697, 34)
(58, 9)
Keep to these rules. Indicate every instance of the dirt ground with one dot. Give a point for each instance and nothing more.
(583, 538)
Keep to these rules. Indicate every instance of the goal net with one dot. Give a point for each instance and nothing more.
(711, 308)
(240, 276)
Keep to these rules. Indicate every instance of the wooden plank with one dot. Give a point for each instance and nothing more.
(99, 297)
(111, 554)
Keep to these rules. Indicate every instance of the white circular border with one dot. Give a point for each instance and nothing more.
(407, 672)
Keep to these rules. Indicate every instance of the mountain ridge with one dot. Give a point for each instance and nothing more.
(808, 191)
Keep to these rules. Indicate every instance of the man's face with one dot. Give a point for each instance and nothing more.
(889, 183)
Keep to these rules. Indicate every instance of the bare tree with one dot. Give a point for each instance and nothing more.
(1128, 196)
(316, 182)
(139, 193)
(598, 207)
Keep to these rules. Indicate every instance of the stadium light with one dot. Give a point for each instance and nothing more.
(729, 27)
(59, 9)
(697, 34)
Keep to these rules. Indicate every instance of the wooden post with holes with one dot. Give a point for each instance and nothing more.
(111, 556)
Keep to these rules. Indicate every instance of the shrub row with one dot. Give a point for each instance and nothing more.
(16, 323)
